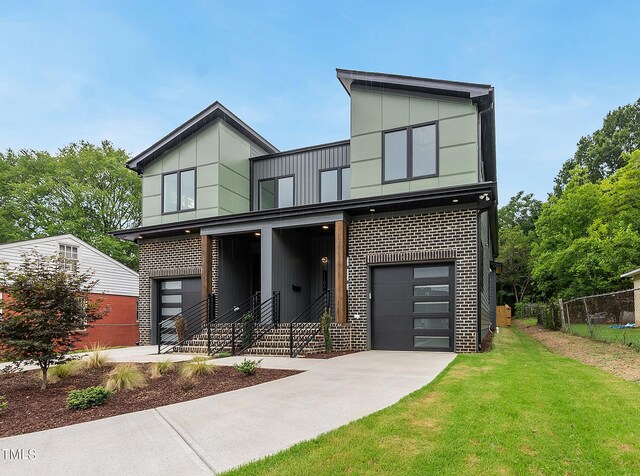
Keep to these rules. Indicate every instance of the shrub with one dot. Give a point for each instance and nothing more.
(221, 355)
(247, 329)
(125, 377)
(326, 329)
(248, 367)
(87, 398)
(3, 403)
(185, 384)
(196, 368)
(62, 371)
(181, 329)
(97, 358)
(162, 367)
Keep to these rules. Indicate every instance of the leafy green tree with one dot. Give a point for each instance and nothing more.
(606, 150)
(521, 212)
(84, 190)
(517, 222)
(48, 306)
(589, 235)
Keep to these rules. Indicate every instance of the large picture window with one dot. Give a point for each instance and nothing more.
(179, 191)
(410, 153)
(335, 184)
(276, 193)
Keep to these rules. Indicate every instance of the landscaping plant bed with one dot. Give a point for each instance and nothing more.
(31, 409)
(329, 355)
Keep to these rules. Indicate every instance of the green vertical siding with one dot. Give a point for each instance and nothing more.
(373, 112)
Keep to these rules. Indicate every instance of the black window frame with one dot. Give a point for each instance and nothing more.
(339, 183)
(276, 190)
(178, 189)
(409, 130)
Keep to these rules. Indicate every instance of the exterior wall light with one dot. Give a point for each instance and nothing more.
(257, 233)
(325, 227)
(324, 260)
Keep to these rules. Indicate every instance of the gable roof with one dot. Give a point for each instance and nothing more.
(69, 237)
(631, 274)
(203, 118)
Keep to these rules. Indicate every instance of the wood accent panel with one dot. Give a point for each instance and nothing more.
(341, 271)
(206, 267)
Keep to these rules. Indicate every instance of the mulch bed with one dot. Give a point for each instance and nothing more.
(31, 409)
(329, 355)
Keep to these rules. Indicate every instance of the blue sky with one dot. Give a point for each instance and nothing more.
(132, 71)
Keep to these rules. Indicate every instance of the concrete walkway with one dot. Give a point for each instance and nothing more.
(217, 433)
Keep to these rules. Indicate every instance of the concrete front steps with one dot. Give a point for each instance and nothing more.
(274, 342)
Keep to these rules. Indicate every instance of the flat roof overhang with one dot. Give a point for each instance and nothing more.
(481, 196)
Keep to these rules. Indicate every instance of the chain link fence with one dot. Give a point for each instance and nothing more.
(609, 317)
(546, 314)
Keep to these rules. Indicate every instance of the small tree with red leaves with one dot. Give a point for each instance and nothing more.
(47, 309)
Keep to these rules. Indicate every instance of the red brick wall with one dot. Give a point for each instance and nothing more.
(118, 327)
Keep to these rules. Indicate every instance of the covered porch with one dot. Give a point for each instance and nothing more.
(300, 259)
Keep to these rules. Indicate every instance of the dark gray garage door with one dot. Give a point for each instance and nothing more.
(413, 307)
(177, 295)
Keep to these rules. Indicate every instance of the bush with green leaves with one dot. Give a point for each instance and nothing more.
(248, 367)
(3, 403)
(125, 377)
(196, 367)
(87, 397)
(221, 355)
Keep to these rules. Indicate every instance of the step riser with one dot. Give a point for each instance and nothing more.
(274, 342)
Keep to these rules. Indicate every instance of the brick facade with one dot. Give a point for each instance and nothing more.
(168, 259)
(431, 237)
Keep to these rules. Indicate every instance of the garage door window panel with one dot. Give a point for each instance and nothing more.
(441, 323)
(431, 290)
(431, 342)
(436, 307)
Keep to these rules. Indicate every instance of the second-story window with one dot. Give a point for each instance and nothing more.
(276, 193)
(69, 254)
(410, 153)
(179, 191)
(335, 184)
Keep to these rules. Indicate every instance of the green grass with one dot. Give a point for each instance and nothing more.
(604, 333)
(517, 410)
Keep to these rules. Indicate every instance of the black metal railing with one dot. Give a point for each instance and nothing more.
(174, 331)
(245, 327)
(308, 324)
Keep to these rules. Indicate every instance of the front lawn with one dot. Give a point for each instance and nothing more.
(517, 410)
(605, 333)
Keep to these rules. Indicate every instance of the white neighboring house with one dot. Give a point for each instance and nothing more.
(116, 284)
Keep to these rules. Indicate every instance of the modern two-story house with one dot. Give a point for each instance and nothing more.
(393, 229)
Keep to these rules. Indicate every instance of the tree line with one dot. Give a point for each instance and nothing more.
(83, 189)
(587, 233)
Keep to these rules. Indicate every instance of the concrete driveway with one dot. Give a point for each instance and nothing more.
(220, 432)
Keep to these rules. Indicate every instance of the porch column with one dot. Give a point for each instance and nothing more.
(206, 249)
(266, 262)
(341, 271)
